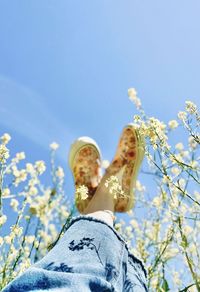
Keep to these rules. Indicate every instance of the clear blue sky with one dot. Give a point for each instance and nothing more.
(65, 67)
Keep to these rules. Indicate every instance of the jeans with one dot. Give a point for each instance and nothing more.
(91, 256)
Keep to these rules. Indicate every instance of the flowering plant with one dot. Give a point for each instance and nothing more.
(163, 229)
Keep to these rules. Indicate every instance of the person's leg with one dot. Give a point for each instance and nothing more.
(91, 256)
(87, 258)
(101, 205)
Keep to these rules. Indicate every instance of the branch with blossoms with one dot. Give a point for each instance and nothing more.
(39, 211)
(163, 229)
(175, 207)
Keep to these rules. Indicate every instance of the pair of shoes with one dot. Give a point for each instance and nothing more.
(85, 164)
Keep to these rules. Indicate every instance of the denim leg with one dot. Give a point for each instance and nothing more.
(91, 256)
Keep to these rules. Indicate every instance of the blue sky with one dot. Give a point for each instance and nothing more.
(66, 66)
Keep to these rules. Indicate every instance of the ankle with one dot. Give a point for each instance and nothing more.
(104, 215)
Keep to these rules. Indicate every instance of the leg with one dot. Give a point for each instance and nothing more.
(102, 201)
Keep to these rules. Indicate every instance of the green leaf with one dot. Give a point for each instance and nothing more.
(165, 286)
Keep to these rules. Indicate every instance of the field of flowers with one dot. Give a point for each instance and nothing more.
(163, 230)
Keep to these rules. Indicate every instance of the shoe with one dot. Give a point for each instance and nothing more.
(85, 164)
(125, 166)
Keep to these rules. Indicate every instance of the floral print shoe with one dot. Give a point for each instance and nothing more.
(85, 164)
(125, 166)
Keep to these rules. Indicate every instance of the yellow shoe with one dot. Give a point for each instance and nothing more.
(126, 164)
(85, 164)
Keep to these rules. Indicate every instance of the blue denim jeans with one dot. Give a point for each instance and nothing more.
(91, 256)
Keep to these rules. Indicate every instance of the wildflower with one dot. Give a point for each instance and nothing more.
(132, 93)
(40, 166)
(59, 172)
(175, 170)
(4, 153)
(179, 146)
(3, 219)
(157, 202)
(30, 239)
(187, 230)
(190, 107)
(30, 168)
(173, 124)
(176, 278)
(182, 183)
(14, 204)
(54, 146)
(112, 183)
(105, 164)
(182, 116)
(16, 230)
(82, 193)
(171, 253)
(6, 192)
(134, 224)
(192, 143)
(20, 156)
(139, 187)
(8, 239)
(20, 175)
(5, 138)
(33, 191)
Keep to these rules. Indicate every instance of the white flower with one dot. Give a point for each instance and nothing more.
(105, 164)
(6, 192)
(157, 202)
(60, 172)
(54, 146)
(4, 153)
(40, 166)
(132, 93)
(187, 230)
(30, 238)
(139, 187)
(190, 107)
(30, 168)
(3, 219)
(182, 183)
(33, 191)
(179, 146)
(175, 170)
(192, 143)
(182, 115)
(173, 124)
(114, 187)
(5, 138)
(14, 204)
(81, 193)
(20, 156)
